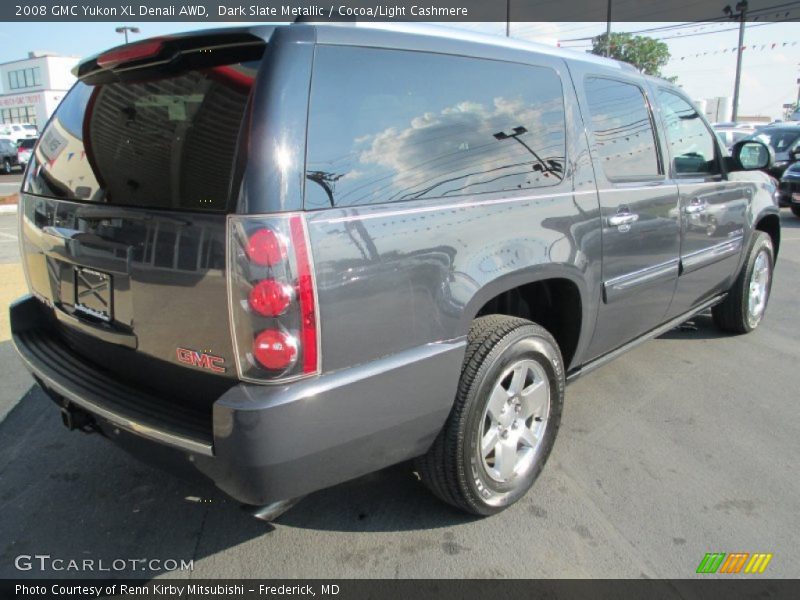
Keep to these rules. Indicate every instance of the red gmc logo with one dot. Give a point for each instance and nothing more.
(202, 360)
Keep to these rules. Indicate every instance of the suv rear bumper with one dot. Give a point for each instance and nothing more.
(267, 443)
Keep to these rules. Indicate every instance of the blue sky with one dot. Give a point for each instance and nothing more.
(769, 74)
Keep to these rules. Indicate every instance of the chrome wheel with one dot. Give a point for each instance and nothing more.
(515, 420)
(759, 288)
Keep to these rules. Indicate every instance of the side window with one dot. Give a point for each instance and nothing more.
(623, 129)
(393, 125)
(691, 144)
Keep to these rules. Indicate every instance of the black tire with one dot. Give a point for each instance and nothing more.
(732, 314)
(796, 210)
(454, 469)
(7, 166)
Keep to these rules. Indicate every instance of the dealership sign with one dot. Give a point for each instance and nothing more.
(21, 100)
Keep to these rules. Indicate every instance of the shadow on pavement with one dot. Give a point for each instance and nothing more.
(77, 496)
(699, 327)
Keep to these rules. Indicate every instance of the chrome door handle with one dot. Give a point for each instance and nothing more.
(694, 209)
(622, 219)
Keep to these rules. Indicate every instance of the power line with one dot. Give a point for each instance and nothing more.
(702, 22)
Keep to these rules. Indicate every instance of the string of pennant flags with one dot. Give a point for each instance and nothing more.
(752, 48)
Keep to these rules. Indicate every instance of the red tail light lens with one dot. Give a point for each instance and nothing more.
(275, 350)
(272, 295)
(270, 298)
(130, 53)
(266, 248)
(305, 285)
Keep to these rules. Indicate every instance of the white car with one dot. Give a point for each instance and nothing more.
(18, 131)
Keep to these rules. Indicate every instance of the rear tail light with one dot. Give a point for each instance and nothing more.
(130, 53)
(275, 350)
(266, 247)
(272, 298)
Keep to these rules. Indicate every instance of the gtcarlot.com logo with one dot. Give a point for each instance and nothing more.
(46, 562)
(733, 563)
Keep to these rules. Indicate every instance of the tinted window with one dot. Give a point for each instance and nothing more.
(780, 139)
(691, 144)
(623, 130)
(389, 125)
(163, 142)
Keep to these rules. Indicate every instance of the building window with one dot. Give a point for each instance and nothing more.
(25, 78)
(19, 114)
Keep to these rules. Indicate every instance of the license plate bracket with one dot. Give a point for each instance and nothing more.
(94, 294)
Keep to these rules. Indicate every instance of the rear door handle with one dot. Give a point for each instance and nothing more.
(622, 219)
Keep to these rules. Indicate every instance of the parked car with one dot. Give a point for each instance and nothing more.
(18, 131)
(790, 188)
(8, 155)
(731, 135)
(784, 139)
(285, 269)
(24, 149)
(751, 125)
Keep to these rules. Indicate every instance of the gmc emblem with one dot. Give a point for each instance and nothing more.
(202, 360)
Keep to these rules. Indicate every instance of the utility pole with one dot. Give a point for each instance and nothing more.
(608, 29)
(508, 18)
(741, 7)
(798, 93)
(125, 30)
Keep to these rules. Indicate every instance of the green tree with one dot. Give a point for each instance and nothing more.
(644, 53)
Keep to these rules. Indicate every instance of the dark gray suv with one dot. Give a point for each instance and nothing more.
(288, 256)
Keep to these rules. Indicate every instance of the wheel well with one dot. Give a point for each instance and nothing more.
(771, 225)
(555, 304)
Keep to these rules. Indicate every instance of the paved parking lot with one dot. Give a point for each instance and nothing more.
(688, 444)
(9, 184)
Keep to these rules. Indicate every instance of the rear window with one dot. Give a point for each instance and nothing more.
(163, 142)
(27, 143)
(393, 125)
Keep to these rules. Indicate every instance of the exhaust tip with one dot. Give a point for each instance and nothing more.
(270, 512)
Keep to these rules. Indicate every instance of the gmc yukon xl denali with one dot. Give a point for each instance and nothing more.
(284, 257)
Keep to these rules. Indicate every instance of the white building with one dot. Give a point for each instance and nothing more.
(717, 109)
(33, 87)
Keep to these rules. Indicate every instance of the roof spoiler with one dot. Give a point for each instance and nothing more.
(169, 50)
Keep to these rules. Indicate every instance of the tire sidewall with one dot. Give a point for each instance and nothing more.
(487, 495)
(761, 241)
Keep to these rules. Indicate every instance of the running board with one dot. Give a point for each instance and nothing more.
(671, 324)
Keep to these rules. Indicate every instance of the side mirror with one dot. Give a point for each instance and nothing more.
(751, 155)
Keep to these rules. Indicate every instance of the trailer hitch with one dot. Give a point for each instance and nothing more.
(74, 418)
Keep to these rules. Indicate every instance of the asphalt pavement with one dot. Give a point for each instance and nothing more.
(686, 445)
(9, 184)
